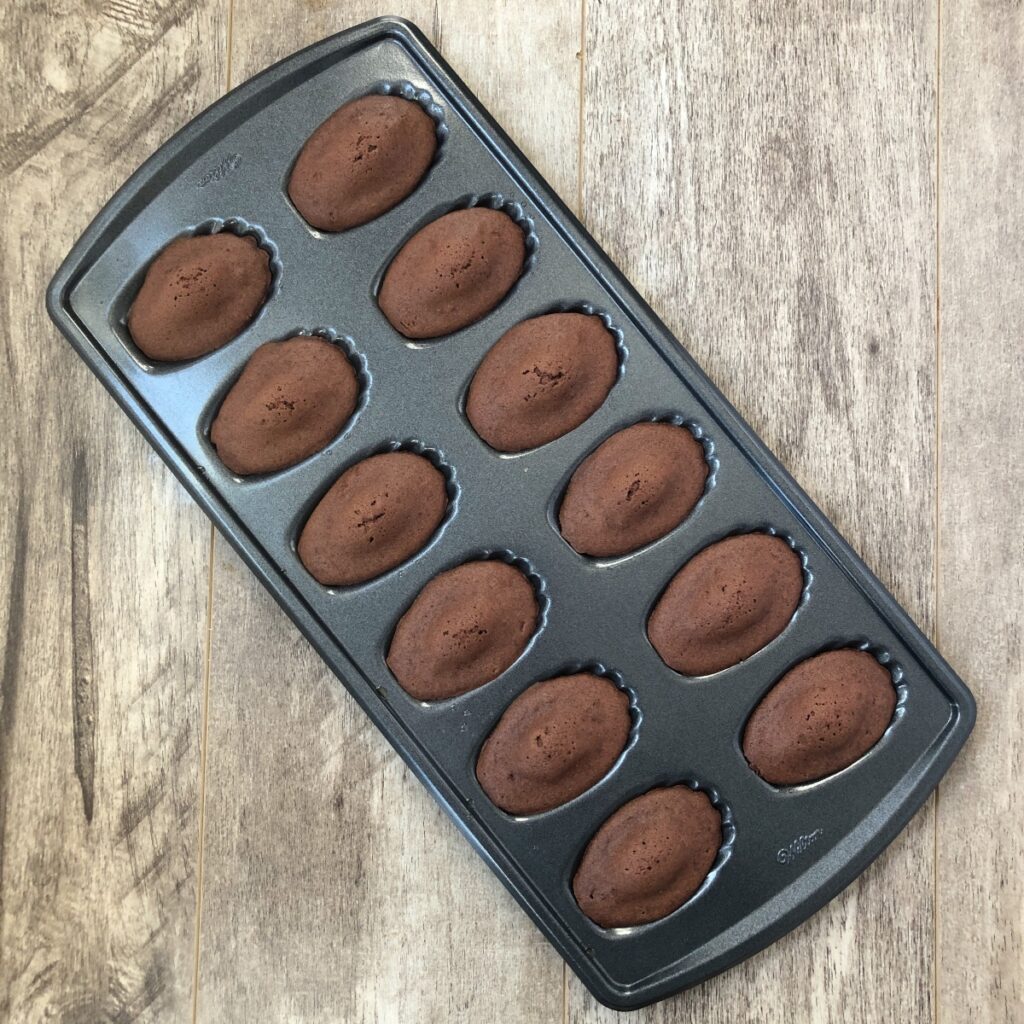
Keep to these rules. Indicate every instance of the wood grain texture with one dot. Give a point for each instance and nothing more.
(334, 887)
(765, 173)
(765, 176)
(980, 842)
(105, 561)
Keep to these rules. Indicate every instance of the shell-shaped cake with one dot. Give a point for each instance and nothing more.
(364, 159)
(199, 293)
(648, 858)
(466, 626)
(292, 399)
(820, 717)
(452, 272)
(726, 603)
(553, 742)
(377, 514)
(634, 488)
(541, 379)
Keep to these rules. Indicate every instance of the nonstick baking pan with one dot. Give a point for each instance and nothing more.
(785, 851)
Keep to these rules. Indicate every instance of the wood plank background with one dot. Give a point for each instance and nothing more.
(824, 200)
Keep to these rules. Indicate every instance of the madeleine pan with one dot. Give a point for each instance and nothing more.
(785, 852)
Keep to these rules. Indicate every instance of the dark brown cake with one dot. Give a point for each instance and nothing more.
(464, 629)
(820, 717)
(648, 858)
(363, 160)
(541, 379)
(634, 488)
(198, 294)
(378, 513)
(553, 742)
(452, 272)
(292, 399)
(726, 603)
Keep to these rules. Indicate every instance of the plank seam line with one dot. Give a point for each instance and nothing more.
(938, 488)
(579, 211)
(230, 34)
(207, 660)
(582, 90)
(203, 737)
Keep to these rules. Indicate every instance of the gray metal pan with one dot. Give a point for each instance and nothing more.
(785, 852)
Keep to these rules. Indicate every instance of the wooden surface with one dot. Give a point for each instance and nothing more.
(825, 201)
(790, 242)
(105, 560)
(979, 840)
